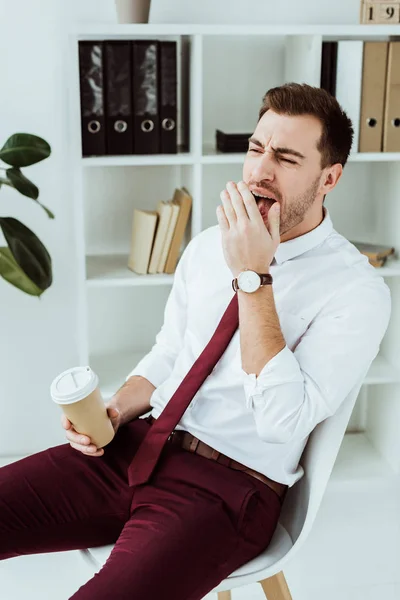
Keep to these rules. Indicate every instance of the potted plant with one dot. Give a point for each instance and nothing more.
(133, 11)
(24, 262)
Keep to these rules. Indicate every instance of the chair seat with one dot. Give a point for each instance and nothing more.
(279, 546)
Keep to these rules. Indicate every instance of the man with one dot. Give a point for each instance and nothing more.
(213, 500)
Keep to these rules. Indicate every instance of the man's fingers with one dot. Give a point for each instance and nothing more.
(79, 441)
(274, 221)
(222, 220)
(234, 192)
(72, 435)
(228, 207)
(88, 450)
(112, 412)
(249, 201)
(77, 438)
(66, 423)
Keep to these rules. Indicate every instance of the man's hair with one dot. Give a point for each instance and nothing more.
(295, 99)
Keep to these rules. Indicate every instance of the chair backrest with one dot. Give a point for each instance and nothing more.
(302, 500)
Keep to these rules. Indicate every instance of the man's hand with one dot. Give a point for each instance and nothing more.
(246, 241)
(83, 443)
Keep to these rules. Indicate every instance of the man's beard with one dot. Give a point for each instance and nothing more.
(295, 209)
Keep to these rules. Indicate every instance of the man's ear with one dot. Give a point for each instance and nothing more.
(332, 176)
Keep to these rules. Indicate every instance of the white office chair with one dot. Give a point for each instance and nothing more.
(299, 510)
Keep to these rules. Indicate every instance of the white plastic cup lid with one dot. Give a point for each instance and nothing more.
(73, 384)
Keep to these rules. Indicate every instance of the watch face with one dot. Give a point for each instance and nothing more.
(249, 281)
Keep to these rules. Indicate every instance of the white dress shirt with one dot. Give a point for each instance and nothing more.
(333, 308)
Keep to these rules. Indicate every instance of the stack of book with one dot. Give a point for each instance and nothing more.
(364, 78)
(376, 254)
(157, 235)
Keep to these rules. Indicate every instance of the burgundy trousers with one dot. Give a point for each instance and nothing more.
(176, 537)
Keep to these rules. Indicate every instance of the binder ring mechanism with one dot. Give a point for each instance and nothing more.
(120, 126)
(168, 124)
(94, 126)
(147, 125)
(396, 122)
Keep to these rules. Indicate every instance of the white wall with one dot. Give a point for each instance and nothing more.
(38, 337)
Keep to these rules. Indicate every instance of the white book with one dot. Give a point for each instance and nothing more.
(349, 83)
(168, 237)
(303, 56)
(164, 209)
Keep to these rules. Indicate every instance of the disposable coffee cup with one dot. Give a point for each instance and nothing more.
(77, 392)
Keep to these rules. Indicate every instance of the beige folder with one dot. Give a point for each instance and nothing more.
(183, 197)
(165, 211)
(391, 128)
(169, 236)
(373, 96)
(143, 231)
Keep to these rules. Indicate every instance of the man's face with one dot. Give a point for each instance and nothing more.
(284, 164)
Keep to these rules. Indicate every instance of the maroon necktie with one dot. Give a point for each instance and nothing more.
(148, 453)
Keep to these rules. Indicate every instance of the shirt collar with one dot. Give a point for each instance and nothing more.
(307, 241)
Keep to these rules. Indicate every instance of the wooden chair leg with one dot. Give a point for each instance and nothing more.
(276, 588)
(225, 595)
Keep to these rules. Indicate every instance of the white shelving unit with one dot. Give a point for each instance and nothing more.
(121, 312)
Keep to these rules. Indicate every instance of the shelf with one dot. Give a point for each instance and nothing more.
(134, 160)
(112, 270)
(381, 371)
(106, 30)
(113, 370)
(391, 268)
(358, 461)
(211, 156)
(103, 201)
(374, 157)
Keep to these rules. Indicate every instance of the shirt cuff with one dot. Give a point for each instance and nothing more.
(282, 368)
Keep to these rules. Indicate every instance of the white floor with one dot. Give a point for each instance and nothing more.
(353, 553)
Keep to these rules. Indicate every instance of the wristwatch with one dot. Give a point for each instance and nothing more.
(250, 281)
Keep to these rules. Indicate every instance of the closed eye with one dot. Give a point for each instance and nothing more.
(292, 162)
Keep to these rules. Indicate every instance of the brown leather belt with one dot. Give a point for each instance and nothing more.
(191, 443)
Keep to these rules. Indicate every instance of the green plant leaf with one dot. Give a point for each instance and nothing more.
(12, 272)
(28, 251)
(48, 211)
(26, 187)
(22, 184)
(24, 149)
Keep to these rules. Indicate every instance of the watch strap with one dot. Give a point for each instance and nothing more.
(266, 279)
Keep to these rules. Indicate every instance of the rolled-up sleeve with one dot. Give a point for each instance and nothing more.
(297, 390)
(158, 364)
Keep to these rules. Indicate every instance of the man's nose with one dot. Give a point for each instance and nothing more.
(264, 168)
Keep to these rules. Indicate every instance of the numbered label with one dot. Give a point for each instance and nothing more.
(381, 13)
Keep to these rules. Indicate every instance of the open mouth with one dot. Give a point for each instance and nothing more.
(263, 198)
(263, 203)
